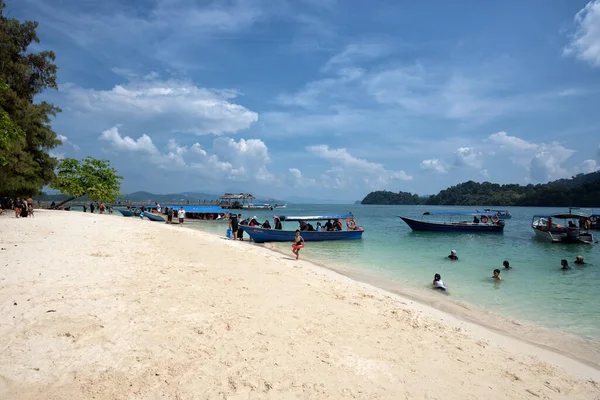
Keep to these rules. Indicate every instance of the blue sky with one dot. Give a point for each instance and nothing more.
(325, 98)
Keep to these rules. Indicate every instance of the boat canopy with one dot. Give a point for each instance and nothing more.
(489, 209)
(317, 217)
(200, 209)
(571, 215)
(472, 213)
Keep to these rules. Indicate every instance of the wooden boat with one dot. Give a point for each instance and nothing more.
(571, 231)
(454, 221)
(502, 214)
(261, 235)
(153, 217)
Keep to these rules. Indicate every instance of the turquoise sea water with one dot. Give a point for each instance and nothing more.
(391, 255)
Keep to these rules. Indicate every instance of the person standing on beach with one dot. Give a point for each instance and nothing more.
(298, 244)
(18, 206)
(169, 215)
(181, 215)
(234, 226)
(92, 207)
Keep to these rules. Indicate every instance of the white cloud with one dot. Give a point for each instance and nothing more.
(585, 41)
(243, 160)
(161, 106)
(545, 167)
(433, 165)
(511, 142)
(356, 53)
(544, 161)
(141, 145)
(66, 142)
(295, 178)
(56, 154)
(468, 157)
(587, 166)
(347, 169)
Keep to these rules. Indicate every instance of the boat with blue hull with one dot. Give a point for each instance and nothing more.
(153, 217)
(126, 213)
(353, 232)
(482, 222)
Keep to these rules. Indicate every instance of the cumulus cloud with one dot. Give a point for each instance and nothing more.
(585, 40)
(588, 166)
(433, 165)
(242, 160)
(468, 157)
(543, 160)
(66, 142)
(142, 145)
(160, 106)
(296, 178)
(347, 169)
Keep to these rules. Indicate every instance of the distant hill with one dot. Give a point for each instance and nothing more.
(582, 190)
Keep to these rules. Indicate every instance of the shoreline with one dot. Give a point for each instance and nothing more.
(116, 308)
(581, 350)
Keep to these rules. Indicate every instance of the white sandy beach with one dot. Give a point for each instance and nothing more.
(105, 307)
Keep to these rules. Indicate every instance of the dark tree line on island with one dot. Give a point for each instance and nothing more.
(582, 190)
(26, 135)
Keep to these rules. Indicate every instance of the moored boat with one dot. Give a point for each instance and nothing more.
(353, 232)
(502, 214)
(153, 217)
(573, 230)
(201, 213)
(126, 213)
(454, 221)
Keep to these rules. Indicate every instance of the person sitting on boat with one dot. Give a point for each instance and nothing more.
(549, 224)
(328, 225)
(453, 255)
(564, 265)
(266, 225)
(475, 219)
(319, 227)
(253, 222)
(303, 226)
(309, 227)
(579, 260)
(438, 284)
(277, 223)
(337, 225)
(298, 244)
(497, 276)
(572, 224)
(506, 264)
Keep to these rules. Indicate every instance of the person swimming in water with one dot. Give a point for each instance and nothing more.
(506, 265)
(497, 276)
(579, 260)
(564, 265)
(438, 284)
(453, 255)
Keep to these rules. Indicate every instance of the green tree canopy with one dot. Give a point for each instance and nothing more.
(26, 165)
(582, 190)
(88, 177)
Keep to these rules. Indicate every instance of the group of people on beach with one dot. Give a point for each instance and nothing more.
(101, 207)
(438, 284)
(22, 207)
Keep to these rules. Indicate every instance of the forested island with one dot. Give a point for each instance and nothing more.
(582, 190)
